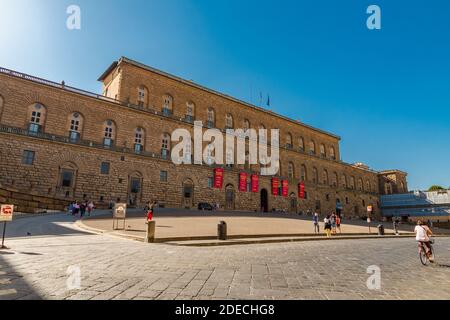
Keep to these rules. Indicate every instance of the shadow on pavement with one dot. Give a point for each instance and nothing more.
(13, 286)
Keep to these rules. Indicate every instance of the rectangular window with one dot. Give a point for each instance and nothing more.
(163, 176)
(104, 168)
(210, 182)
(66, 178)
(28, 157)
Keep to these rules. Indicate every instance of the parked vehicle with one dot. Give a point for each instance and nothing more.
(205, 206)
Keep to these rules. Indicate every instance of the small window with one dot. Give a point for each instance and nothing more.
(229, 121)
(28, 157)
(210, 182)
(104, 168)
(163, 176)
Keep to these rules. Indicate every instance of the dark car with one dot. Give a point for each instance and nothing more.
(205, 206)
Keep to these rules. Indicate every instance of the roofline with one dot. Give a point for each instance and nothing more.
(393, 171)
(223, 95)
(108, 71)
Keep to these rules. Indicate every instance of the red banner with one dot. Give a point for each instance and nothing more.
(255, 183)
(242, 182)
(218, 178)
(275, 185)
(301, 190)
(284, 188)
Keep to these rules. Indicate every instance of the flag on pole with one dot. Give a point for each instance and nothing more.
(268, 100)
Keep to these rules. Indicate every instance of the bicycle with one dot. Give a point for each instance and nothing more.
(424, 258)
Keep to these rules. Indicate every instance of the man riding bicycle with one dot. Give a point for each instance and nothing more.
(423, 233)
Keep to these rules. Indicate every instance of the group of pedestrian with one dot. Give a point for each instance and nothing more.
(332, 224)
(81, 208)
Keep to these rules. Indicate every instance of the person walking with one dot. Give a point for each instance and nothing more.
(83, 206)
(90, 208)
(70, 208)
(395, 224)
(150, 209)
(338, 224)
(316, 223)
(327, 226)
(333, 223)
(76, 208)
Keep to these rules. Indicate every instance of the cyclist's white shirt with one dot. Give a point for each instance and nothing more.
(421, 234)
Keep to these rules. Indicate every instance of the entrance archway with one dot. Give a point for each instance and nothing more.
(188, 194)
(134, 189)
(229, 197)
(264, 200)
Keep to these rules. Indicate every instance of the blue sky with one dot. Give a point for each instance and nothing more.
(385, 92)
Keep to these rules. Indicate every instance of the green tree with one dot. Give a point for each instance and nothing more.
(436, 188)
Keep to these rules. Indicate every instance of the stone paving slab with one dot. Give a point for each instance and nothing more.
(116, 268)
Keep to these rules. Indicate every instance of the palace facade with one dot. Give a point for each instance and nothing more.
(64, 143)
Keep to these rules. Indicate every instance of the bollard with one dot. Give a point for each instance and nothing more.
(222, 230)
(150, 234)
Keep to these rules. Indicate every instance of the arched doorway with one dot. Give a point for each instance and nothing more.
(264, 200)
(293, 203)
(188, 194)
(229, 197)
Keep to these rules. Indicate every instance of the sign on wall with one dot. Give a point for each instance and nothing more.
(242, 182)
(275, 186)
(255, 183)
(218, 178)
(6, 212)
(284, 188)
(301, 190)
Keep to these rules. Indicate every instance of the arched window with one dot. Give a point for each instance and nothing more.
(289, 141)
(303, 173)
(190, 111)
(165, 146)
(388, 188)
(323, 153)
(1, 105)
(333, 153)
(312, 147)
(325, 177)
(36, 118)
(139, 136)
(291, 172)
(352, 182)
(360, 184)
(211, 118)
(167, 108)
(109, 133)
(246, 125)
(228, 121)
(301, 144)
(335, 179)
(368, 186)
(344, 181)
(315, 175)
(75, 126)
(142, 96)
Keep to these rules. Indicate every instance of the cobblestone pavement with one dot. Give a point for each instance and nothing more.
(36, 267)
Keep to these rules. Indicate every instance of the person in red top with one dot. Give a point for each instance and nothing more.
(150, 208)
(338, 223)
